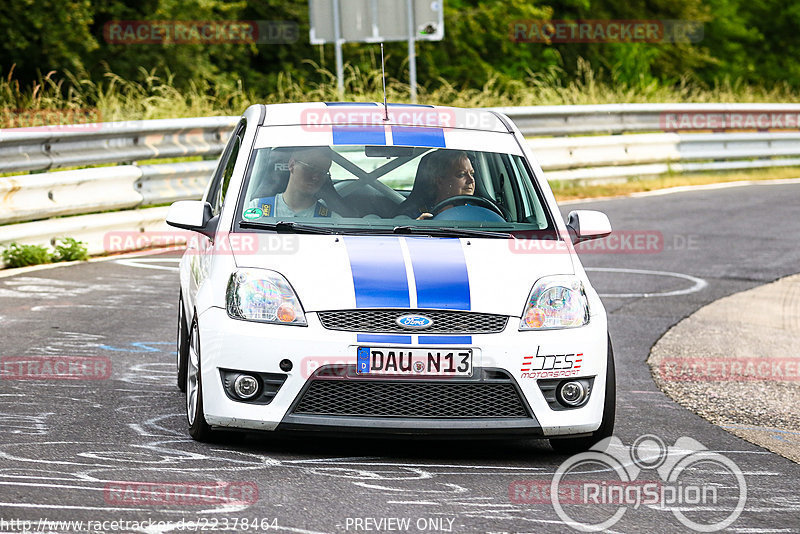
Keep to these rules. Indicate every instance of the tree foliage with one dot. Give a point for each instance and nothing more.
(750, 42)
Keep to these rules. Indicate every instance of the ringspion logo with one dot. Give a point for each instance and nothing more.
(703, 490)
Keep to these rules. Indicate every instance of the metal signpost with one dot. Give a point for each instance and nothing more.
(376, 21)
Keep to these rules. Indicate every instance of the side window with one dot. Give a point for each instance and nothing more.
(227, 173)
(222, 175)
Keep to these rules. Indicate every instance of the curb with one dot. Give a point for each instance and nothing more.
(736, 363)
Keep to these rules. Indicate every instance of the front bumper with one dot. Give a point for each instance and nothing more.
(255, 347)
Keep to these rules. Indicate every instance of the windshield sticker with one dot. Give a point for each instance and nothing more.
(252, 213)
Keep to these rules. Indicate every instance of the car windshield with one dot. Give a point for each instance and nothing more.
(400, 188)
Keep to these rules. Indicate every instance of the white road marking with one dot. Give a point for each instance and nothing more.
(451, 488)
(698, 283)
(761, 530)
(424, 503)
(362, 461)
(298, 530)
(148, 263)
(684, 189)
(68, 507)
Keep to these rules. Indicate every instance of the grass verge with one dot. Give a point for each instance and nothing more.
(575, 190)
(66, 99)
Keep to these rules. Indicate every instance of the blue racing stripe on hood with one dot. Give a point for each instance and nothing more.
(379, 272)
(377, 338)
(445, 340)
(440, 272)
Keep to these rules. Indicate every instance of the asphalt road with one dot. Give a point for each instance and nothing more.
(72, 450)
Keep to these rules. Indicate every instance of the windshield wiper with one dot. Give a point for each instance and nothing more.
(289, 227)
(450, 232)
(299, 228)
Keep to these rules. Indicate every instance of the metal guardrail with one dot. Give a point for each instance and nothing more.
(636, 118)
(53, 147)
(38, 196)
(624, 156)
(594, 157)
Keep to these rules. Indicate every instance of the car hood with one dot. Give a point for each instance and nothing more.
(330, 272)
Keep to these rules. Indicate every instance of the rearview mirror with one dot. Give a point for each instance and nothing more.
(392, 151)
(194, 215)
(584, 225)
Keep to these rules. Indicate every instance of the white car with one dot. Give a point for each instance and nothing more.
(389, 270)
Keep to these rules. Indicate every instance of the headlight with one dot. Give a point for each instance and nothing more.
(556, 302)
(265, 296)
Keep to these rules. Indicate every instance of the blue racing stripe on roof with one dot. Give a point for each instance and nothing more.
(418, 136)
(379, 272)
(375, 338)
(446, 340)
(440, 272)
(353, 134)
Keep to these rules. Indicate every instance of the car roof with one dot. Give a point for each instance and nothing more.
(374, 113)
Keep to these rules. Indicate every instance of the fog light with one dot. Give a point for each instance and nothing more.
(286, 365)
(572, 393)
(245, 386)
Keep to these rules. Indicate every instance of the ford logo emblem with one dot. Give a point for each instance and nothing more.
(414, 322)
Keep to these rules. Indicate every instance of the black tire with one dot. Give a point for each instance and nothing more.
(606, 430)
(182, 345)
(198, 427)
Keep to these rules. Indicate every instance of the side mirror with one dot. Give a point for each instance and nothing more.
(194, 215)
(584, 225)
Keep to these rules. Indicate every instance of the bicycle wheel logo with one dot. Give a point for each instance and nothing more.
(704, 490)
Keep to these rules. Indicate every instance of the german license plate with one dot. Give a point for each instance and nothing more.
(386, 361)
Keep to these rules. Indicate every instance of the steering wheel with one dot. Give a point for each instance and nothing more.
(461, 200)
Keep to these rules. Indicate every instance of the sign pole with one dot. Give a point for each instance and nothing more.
(412, 53)
(337, 32)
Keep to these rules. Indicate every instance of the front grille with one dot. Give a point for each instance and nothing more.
(444, 322)
(386, 398)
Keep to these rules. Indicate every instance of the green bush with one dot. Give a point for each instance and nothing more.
(66, 249)
(70, 249)
(21, 255)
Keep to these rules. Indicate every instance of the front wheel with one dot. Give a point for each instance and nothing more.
(576, 445)
(198, 427)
